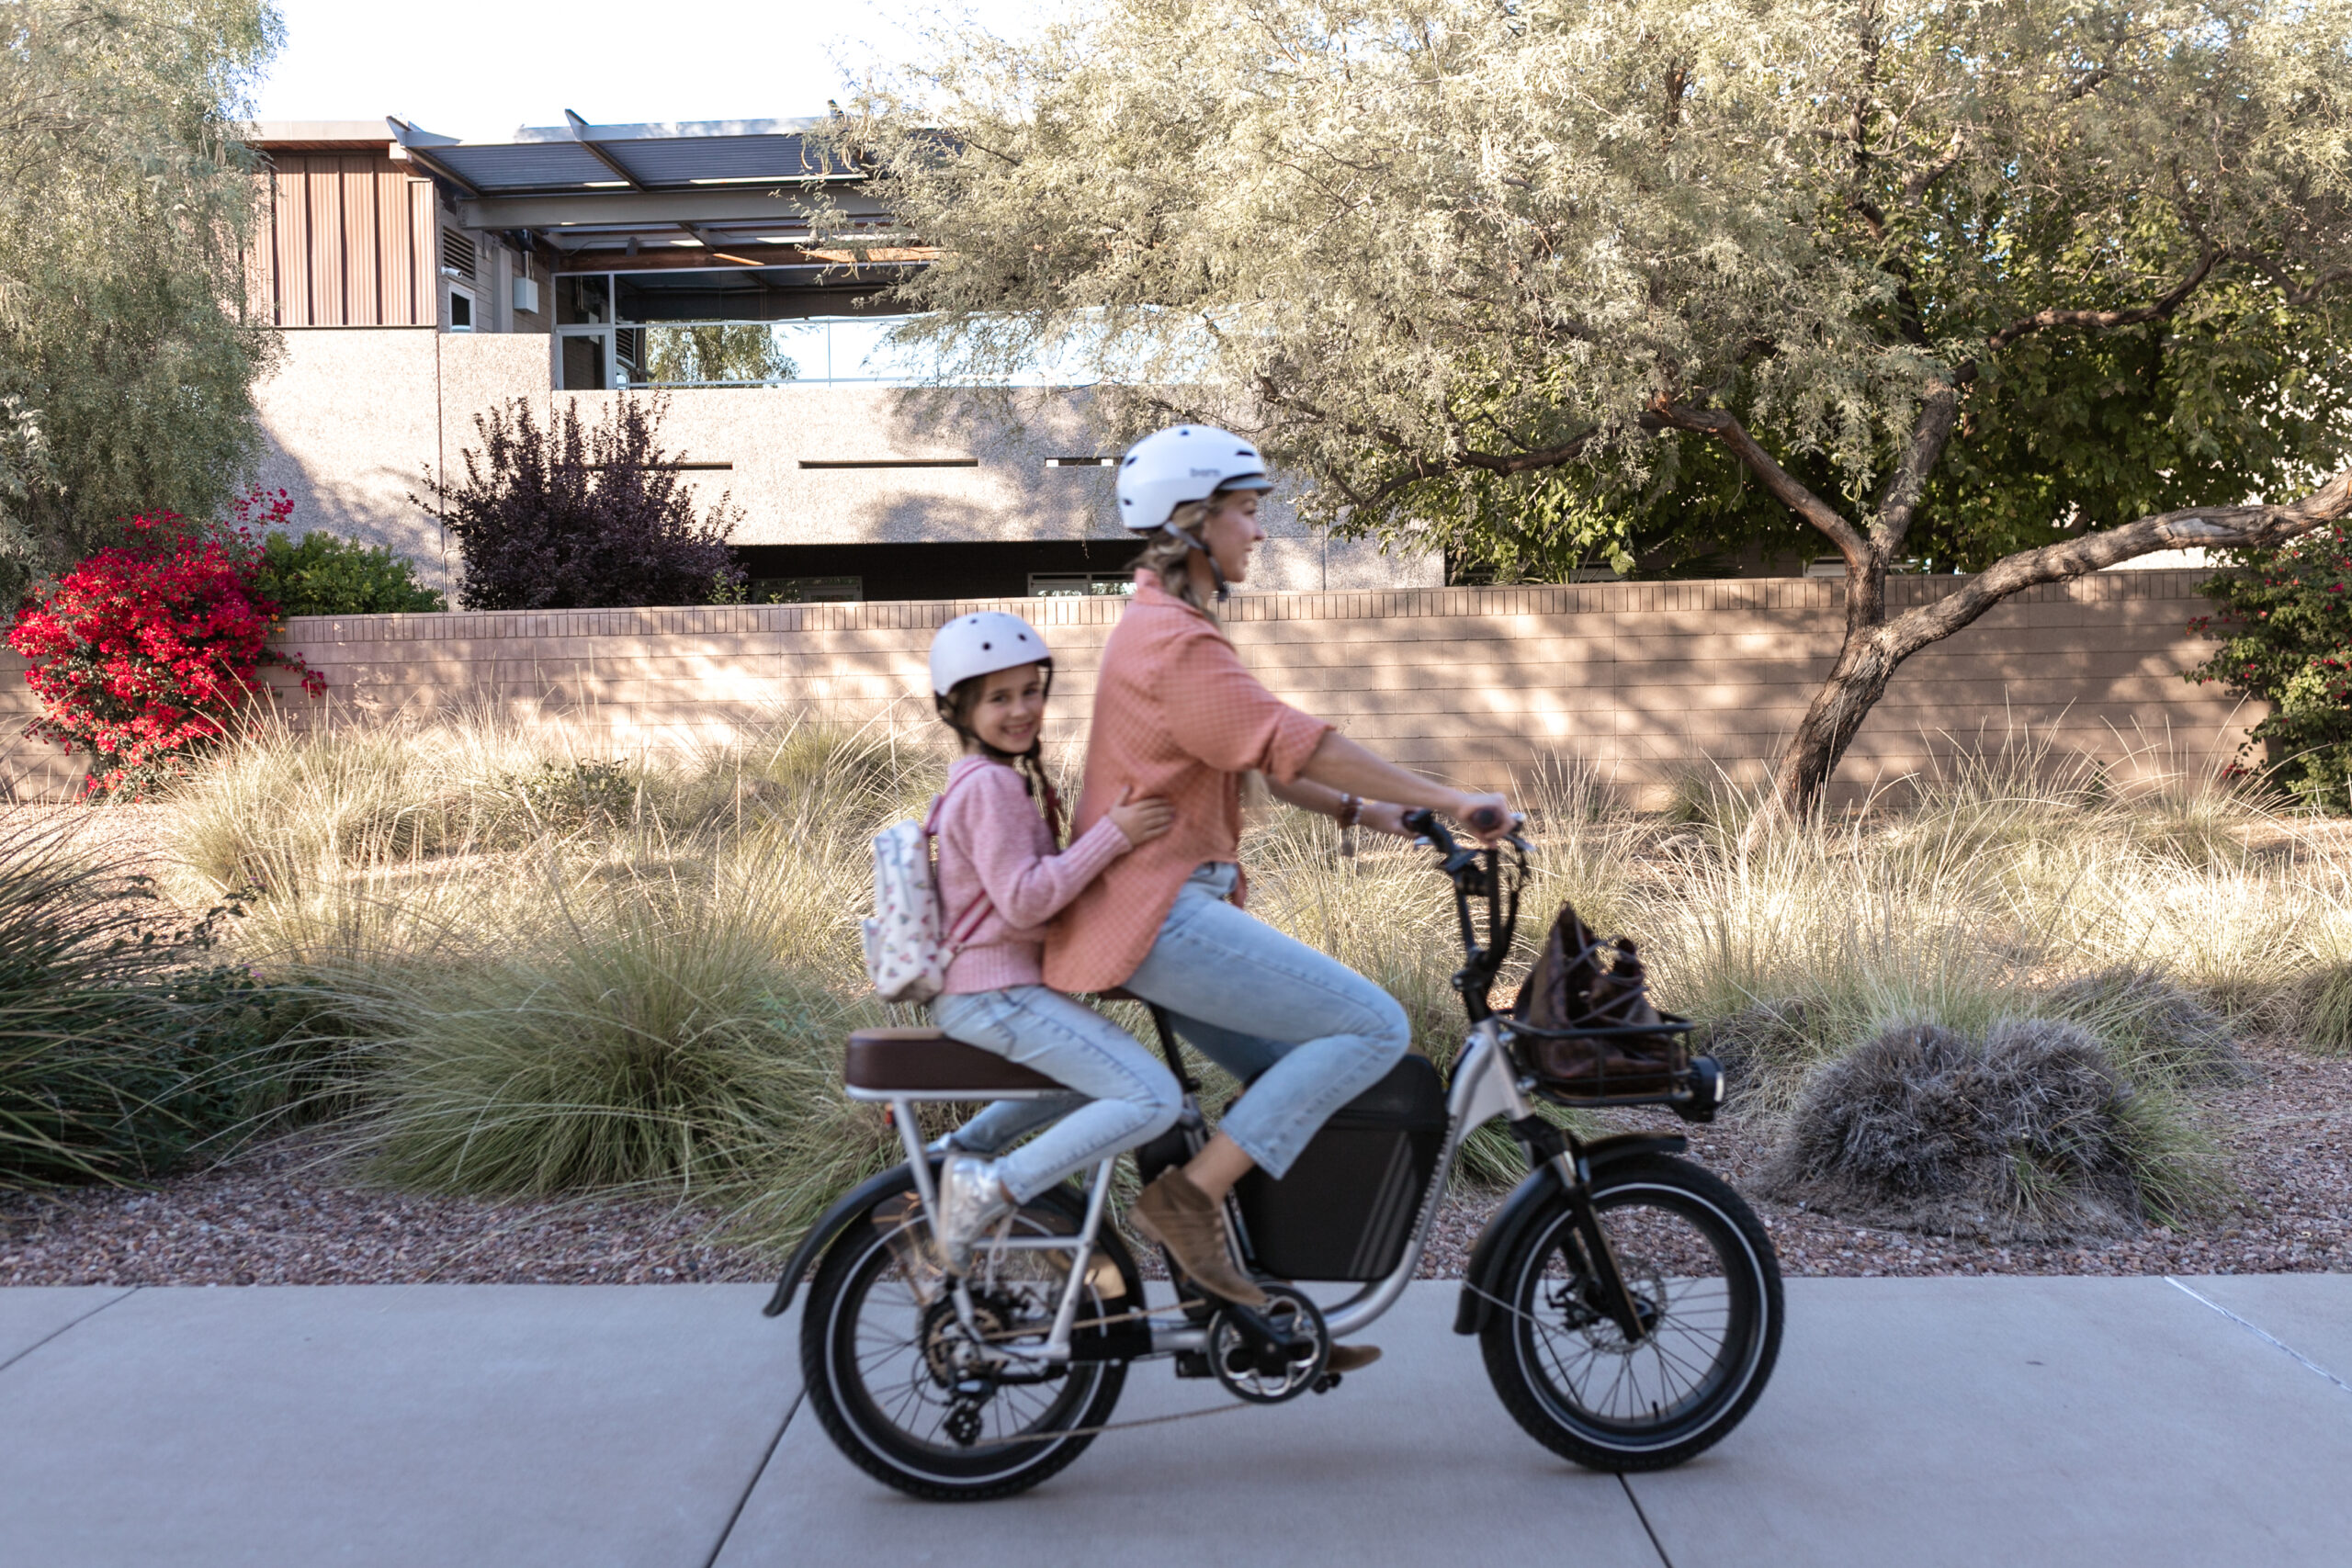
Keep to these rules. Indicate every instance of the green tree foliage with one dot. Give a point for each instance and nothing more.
(321, 575)
(2286, 624)
(716, 352)
(127, 349)
(2031, 286)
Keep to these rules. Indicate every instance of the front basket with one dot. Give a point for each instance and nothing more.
(1644, 1064)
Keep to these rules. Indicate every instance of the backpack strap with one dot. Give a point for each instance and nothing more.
(979, 902)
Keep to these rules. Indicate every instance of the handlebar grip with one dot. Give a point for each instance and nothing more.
(1486, 819)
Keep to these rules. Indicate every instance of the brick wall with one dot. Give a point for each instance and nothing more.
(1638, 680)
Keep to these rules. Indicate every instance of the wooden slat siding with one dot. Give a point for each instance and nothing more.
(260, 247)
(322, 190)
(363, 302)
(425, 254)
(396, 279)
(290, 235)
(349, 243)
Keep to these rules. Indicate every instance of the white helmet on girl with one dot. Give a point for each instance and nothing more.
(982, 644)
(1187, 462)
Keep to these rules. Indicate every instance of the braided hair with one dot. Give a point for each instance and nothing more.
(956, 712)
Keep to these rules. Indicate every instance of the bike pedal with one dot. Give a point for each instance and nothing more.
(1192, 1364)
(1327, 1382)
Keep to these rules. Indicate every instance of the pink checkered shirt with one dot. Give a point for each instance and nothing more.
(1176, 714)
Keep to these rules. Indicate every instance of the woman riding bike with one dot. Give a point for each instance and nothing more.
(1178, 716)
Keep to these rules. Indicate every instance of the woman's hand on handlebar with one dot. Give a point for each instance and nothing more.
(1488, 816)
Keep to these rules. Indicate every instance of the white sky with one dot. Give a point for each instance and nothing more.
(478, 70)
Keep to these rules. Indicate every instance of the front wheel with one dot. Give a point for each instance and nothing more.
(1706, 1288)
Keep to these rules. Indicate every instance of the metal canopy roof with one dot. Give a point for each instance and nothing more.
(581, 159)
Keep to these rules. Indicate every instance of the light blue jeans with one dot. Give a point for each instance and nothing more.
(1122, 1096)
(1306, 1032)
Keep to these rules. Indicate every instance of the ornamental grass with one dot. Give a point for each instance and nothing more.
(532, 969)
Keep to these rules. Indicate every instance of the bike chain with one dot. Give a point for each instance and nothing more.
(1110, 1427)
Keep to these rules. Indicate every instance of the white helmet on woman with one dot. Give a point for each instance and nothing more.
(981, 644)
(1187, 462)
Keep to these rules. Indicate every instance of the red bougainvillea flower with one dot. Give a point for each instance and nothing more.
(147, 652)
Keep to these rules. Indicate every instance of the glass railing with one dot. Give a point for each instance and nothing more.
(819, 352)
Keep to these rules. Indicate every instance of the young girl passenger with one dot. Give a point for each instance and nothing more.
(1002, 879)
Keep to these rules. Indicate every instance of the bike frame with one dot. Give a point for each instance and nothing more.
(1484, 1086)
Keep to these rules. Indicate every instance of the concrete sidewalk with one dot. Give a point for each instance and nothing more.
(1914, 1422)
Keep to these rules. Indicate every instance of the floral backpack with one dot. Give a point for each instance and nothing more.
(907, 952)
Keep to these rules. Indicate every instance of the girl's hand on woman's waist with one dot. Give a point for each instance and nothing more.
(1141, 821)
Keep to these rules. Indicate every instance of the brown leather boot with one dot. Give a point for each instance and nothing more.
(1175, 1214)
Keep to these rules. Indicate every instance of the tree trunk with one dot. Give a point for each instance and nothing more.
(1876, 647)
(1855, 684)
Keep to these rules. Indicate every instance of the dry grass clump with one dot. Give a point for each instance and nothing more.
(2166, 1033)
(2027, 1133)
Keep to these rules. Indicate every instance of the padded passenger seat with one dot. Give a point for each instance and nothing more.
(924, 1061)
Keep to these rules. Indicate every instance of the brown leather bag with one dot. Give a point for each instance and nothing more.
(1581, 982)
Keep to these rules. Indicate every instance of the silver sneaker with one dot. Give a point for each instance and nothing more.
(971, 1201)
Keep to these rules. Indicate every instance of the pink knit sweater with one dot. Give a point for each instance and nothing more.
(993, 840)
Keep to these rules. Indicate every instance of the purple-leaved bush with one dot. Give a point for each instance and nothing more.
(576, 517)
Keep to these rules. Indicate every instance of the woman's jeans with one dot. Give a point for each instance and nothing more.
(1124, 1094)
(1306, 1032)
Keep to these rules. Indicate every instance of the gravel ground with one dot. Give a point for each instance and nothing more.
(288, 1214)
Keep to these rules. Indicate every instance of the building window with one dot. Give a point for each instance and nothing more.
(580, 363)
(1081, 584)
(461, 310)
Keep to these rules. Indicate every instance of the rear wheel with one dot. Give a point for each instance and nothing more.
(902, 1388)
(1706, 1287)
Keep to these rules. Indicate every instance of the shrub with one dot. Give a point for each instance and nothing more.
(322, 575)
(143, 653)
(122, 1043)
(575, 518)
(2027, 1133)
(2286, 622)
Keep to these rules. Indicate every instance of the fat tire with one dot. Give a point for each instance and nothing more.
(828, 1329)
(1751, 1270)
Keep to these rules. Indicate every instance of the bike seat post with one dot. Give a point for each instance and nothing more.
(1168, 1048)
(903, 1113)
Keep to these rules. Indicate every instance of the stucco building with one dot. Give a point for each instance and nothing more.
(419, 280)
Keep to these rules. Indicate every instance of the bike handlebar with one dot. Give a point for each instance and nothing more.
(1485, 820)
(1485, 874)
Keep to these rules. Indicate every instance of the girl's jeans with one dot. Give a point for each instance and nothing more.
(1124, 1095)
(1304, 1032)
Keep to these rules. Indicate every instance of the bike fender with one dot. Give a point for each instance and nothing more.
(1482, 1282)
(832, 1222)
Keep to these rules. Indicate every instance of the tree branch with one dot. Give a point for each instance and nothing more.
(2283, 280)
(2041, 320)
(1666, 415)
(2208, 527)
(1938, 416)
